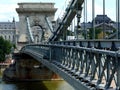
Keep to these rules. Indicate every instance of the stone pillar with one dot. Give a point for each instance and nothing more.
(36, 12)
(17, 68)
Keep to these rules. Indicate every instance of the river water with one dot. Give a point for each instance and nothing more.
(43, 85)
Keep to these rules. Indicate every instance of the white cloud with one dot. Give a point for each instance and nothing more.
(7, 11)
(36, 0)
(7, 8)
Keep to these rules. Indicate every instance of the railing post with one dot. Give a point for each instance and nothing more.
(50, 56)
(118, 72)
(118, 76)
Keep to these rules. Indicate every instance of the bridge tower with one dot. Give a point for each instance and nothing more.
(33, 26)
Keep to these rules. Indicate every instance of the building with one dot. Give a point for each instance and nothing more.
(8, 30)
(102, 18)
(102, 22)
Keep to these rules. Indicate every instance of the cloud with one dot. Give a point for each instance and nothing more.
(7, 11)
(7, 8)
(36, 0)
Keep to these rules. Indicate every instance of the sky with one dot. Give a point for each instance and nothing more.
(7, 8)
(110, 8)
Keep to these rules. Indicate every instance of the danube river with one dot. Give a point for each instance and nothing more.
(45, 85)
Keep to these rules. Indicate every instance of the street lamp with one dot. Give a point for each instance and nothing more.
(79, 11)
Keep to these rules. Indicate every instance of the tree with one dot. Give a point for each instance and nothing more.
(97, 32)
(66, 33)
(5, 48)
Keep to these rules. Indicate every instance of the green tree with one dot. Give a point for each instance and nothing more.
(5, 48)
(66, 33)
(90, 33)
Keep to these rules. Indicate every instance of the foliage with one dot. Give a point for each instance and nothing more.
(5, 48)
(66, 33)
(97, 32)
(14, 46)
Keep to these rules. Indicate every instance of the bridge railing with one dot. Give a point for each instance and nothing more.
(93, 64)
(96, 63)
(41, 49)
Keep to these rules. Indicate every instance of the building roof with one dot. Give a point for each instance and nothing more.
(7, 25)
(102, 18)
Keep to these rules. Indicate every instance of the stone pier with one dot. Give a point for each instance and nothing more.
(28, 69)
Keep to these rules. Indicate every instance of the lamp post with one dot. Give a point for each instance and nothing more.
(79, 11)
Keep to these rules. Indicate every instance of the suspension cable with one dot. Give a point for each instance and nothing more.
(118, 18)
(85, 19)
(93, 15)
(103, 19)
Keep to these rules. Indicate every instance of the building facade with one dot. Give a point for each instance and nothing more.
(8, 30)
(102, 22)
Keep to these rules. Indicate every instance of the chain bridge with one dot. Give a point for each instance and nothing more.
(85, 62)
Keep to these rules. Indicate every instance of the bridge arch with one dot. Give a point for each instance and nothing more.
(38, 33)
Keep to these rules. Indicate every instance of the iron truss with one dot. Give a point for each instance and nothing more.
(96, 67)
